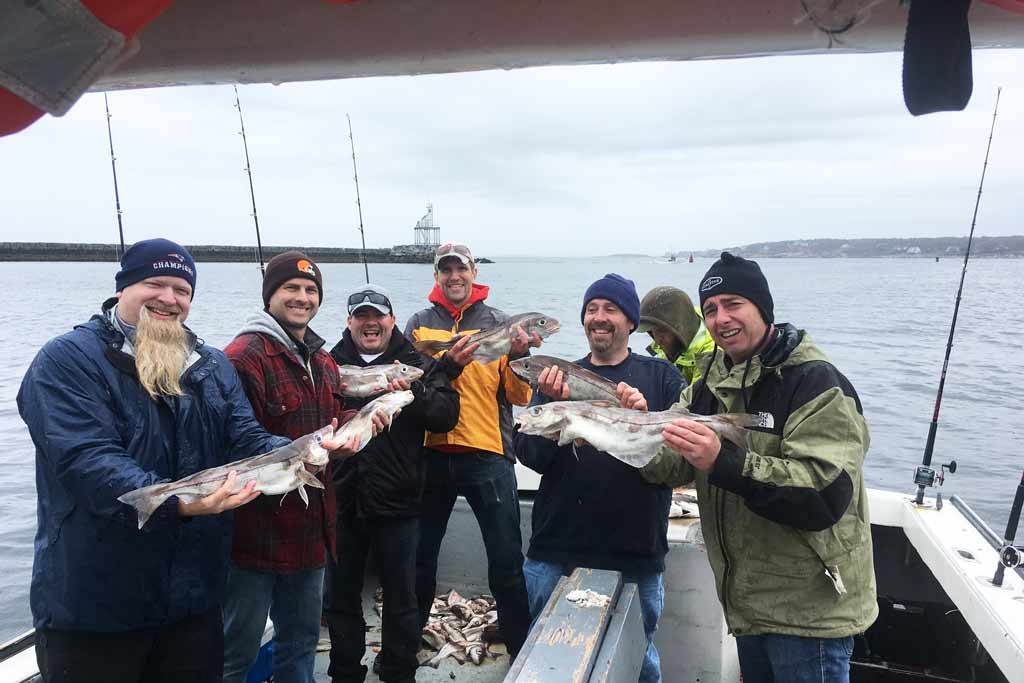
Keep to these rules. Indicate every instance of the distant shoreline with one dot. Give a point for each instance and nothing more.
(1011, 246)
(207, 253)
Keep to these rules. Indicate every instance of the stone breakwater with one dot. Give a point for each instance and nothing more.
(210, 253)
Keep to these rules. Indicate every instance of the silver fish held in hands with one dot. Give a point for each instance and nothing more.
(496, 341)
(632, 436)
(362, 422)
(584, 385)
(363, 382)
(279, 471)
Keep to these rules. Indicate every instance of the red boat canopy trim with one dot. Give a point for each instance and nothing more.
(56, 49)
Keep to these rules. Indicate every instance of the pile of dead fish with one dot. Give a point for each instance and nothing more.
(684, 503)
(465, 629)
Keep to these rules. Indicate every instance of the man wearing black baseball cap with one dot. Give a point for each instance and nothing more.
(791, 551)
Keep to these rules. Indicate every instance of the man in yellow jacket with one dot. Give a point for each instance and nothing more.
(476, 459)
(677, 329)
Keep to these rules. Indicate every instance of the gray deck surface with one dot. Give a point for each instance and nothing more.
(490, 671)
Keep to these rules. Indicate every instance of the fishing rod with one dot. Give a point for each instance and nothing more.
(359, 204)
(113, 169)
(925, 476)
(1010, 555)
(252, 192)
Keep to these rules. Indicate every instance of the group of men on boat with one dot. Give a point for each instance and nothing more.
(133, 397)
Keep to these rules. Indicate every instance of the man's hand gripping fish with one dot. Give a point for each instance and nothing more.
(277, 472)
(632, 436)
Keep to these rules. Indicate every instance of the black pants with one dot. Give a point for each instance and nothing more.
(188, 650)
(393, 542)
(488, 482)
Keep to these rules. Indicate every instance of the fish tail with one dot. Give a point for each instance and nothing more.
(734, 427)
(145, 501)
(431, 347)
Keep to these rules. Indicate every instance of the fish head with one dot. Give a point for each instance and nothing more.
(527, 368)
(544, 420)
(540, 324)
(314, 452)
(403, 371)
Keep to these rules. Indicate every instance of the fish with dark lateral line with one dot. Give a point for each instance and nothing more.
(496, 341)
(632, 436)
(279, 471)
(584, 385)
(363, 382)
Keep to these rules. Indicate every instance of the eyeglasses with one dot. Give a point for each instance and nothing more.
(447, 249)
(360, 298)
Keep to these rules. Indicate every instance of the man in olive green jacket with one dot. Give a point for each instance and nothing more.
(785, 521)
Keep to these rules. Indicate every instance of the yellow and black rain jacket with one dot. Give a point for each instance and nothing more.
(487, 391)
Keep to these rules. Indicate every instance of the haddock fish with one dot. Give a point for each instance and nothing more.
(496, 341)
(362, 423)
(584, 385)
(363, 382)
(277, 472)
(632, 436)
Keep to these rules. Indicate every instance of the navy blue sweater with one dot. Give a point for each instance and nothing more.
(592, 510)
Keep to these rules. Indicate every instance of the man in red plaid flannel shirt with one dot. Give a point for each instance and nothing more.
(279, 549)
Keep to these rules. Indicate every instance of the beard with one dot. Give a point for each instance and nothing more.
(161, 349)
(605, 345)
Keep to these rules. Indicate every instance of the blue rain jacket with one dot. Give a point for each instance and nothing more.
(97, 435)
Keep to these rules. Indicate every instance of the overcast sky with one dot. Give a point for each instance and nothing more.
(561, 160)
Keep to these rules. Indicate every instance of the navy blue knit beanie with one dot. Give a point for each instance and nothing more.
(736, 275)
(152, 258)
(617, 289)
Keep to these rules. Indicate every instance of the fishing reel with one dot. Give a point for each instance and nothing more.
(1011, 556)
(926, 476)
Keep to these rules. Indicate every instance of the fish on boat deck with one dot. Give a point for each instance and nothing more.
(496, 342)
(584, 385)
(632, 436)
(277, 472)
(363, 382)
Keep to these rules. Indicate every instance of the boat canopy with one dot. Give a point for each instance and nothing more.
(52, 51)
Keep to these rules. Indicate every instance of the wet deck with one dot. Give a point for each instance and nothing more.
(489, 671)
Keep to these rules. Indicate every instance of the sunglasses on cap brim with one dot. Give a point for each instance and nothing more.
(360, 298)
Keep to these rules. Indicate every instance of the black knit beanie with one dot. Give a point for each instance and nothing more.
(284, 267)
(735, 275)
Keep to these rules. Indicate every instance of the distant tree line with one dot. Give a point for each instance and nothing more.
(914, 247)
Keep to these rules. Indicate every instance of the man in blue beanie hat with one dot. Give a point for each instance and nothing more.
(129, 399)
(592, 510)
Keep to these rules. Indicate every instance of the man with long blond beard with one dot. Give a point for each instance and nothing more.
(129, 399)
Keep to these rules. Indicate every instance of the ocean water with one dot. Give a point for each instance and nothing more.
(884, 322)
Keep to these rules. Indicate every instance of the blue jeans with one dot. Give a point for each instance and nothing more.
(794, 659)
(294, 603)
(488, 482)
(542, 577)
